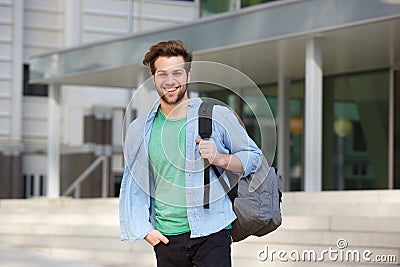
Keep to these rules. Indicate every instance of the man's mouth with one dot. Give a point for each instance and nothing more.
(172, 89)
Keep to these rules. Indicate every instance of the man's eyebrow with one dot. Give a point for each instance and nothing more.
(172, 70)
(161, 71)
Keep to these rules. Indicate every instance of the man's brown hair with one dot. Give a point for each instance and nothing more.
(171, 48)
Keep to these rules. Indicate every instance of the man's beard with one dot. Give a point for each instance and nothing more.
(179, 97)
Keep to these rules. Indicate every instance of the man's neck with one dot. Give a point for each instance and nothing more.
(175, 111)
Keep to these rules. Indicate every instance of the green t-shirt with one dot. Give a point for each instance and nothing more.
(167, 150)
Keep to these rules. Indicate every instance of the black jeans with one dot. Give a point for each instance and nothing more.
(208, 251)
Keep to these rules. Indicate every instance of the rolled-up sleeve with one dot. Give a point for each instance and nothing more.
(236, 139)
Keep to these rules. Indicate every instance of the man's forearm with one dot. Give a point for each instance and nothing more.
(229, 162)
(209, 151)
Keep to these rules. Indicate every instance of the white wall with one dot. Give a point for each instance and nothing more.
(6, 48)
(110, 18)
(43, 31)
(43, 26)
(34, 123)
(105, 19)
(33, 27)
(152, 14)
(10, 74)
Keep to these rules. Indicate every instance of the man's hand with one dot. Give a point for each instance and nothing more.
(209, 151)
(154, 237)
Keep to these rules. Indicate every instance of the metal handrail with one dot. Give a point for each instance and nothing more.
(75, 186)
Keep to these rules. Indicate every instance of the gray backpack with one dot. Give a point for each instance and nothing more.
(255, 199)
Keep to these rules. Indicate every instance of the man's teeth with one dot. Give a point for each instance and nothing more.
(171, 89)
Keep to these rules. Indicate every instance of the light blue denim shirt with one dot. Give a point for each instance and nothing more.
(136, 209)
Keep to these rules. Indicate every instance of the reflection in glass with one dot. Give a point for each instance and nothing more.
(355, 142)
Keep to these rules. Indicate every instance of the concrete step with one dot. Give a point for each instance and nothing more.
(344, 197)
(304, 207)
(109, 257)
(239, 262)
(108, 225)
(73, 242)
(250, 254)
(299, 256)
(98, 204)
(105, 218)
(247, 254)
(94, 230)
(339, 209)
(296, 234)
(341, 223)
(328, 238)
(63, 204)
(383, 203)
(18, 257)
(105, 251)
(303, 239)
(89, 228)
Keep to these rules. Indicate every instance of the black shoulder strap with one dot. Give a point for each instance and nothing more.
(205, 120)
(205, 130)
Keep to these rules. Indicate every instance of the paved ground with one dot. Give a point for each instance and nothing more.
(19, 257)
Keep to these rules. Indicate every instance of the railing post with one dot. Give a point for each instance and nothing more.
(77, 191)
(104, 175)
(53, 142)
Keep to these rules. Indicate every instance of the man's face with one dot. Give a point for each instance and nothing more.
(170, 79)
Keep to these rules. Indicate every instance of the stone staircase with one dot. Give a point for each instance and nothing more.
(345, 228)
(344, 224)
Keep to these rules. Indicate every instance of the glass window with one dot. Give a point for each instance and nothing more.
(254, 126)
(117, 184)
(296, 122)
(240, 107)
(396, 159)
(211, 7)
(246, 3)
(355, 133)
(33, 89)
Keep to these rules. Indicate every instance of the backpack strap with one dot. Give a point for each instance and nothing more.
(205, 130)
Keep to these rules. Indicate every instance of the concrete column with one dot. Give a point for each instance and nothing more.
(17, 58)
(72, 14)
(283, 129)
(53, 142)
(313, 117)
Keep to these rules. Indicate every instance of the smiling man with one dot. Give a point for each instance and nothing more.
(159, 198)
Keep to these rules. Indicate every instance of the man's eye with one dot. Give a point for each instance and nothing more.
(161, 75)
(178, 73)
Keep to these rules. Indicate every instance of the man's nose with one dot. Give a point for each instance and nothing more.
(170, 78)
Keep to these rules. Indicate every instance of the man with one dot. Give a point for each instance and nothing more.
(161, 198)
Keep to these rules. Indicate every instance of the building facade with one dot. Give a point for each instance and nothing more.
(328, 69)
(91, 118)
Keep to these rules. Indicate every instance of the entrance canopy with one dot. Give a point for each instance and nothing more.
(355, 35)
